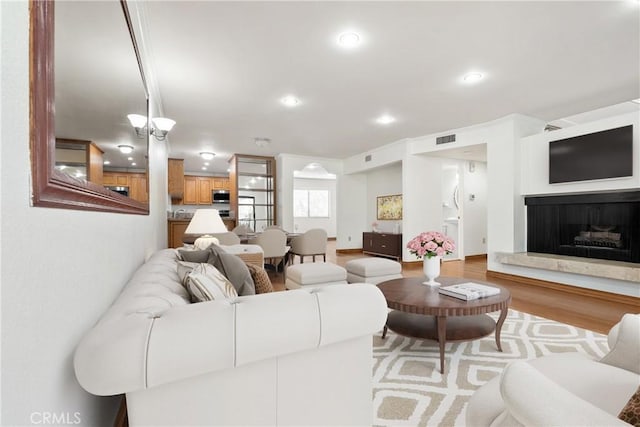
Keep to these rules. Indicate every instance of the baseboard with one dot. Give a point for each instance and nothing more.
(349, 251)
(592, 293)
(480, 257)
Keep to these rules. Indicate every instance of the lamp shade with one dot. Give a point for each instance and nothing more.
(137, 120)
(163, 124)
(206, 221)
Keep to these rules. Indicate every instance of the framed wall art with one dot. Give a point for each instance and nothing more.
(390, 207)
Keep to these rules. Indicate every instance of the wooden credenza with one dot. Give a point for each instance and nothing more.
(383, 244)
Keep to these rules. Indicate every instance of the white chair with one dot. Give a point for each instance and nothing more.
(274, 245)
(564, 389)
(242, 230)
(229, 238)
(310, 243)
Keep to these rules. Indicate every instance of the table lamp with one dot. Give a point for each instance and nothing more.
(205, 222)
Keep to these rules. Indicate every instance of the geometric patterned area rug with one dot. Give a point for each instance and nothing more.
(408, 389)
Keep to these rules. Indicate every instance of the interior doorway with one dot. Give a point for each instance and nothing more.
(464, 199)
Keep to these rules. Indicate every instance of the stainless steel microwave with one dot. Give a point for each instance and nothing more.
(219, 196)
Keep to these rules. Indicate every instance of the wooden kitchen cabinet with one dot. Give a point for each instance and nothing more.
(177, 227)
(197, 190)
(221, 184)
(138, 189)
(176, 178)
(176, 231)
(383, 244)
(136, 183)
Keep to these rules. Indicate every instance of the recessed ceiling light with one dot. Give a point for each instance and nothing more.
(472, 77)
(204, 168)
(637, 101)
(262, 142)
(133, 163)
(385, 119)
(349, 39)
(290, 101)
(125, 149)
(206, 163)
(106, 162)
(129, 158)
(207, 155)
(228, 169)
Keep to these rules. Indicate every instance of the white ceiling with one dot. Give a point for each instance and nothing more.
(222, 67)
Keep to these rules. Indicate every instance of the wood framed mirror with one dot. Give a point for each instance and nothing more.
(94, 129)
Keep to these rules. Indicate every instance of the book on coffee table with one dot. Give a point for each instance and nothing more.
(469, 291)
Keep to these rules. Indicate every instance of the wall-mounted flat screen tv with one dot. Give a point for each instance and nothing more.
(598, 155)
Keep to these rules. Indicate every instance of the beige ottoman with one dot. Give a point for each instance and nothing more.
(314, 274)
(372, 270)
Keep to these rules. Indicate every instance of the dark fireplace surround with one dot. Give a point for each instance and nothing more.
(598, 225)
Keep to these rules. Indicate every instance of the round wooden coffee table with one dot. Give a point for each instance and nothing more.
(421, 312)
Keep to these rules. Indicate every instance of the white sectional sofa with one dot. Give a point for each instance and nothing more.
(284, 358)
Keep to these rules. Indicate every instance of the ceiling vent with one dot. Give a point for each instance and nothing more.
(367, 158)
(446, 139)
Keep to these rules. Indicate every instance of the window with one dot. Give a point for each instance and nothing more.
(311, 203)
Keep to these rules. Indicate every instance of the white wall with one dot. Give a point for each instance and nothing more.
(535, 159)
(60, 268)
(421, 198)
(383, 181)
(352, 211)
(301, 225)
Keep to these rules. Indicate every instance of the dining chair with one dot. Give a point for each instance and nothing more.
(242, 230)
(274, 245)
(229, 238)
(311, 243)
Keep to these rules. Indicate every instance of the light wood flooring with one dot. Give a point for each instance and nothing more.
(585, 311)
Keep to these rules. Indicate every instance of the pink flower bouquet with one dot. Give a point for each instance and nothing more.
(430, 244)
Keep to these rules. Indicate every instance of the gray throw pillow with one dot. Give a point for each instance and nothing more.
(199, 256)
(233, 268)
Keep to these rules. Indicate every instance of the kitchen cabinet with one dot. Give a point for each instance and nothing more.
(176, 178)
(138, 187)
(177, 227)
(383, 244)
(220, 183)
(252, 191)
(197, 190)
(136, 183)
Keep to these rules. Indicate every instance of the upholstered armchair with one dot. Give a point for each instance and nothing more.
(310, 243)
(565, 389)
(274, 244)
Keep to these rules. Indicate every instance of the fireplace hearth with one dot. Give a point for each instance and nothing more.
(599, 225)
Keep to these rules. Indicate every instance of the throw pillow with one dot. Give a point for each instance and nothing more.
(184, 268)
(631, 411)
(206, 283)
(260, 279)
(233, 268)
(198, 256)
